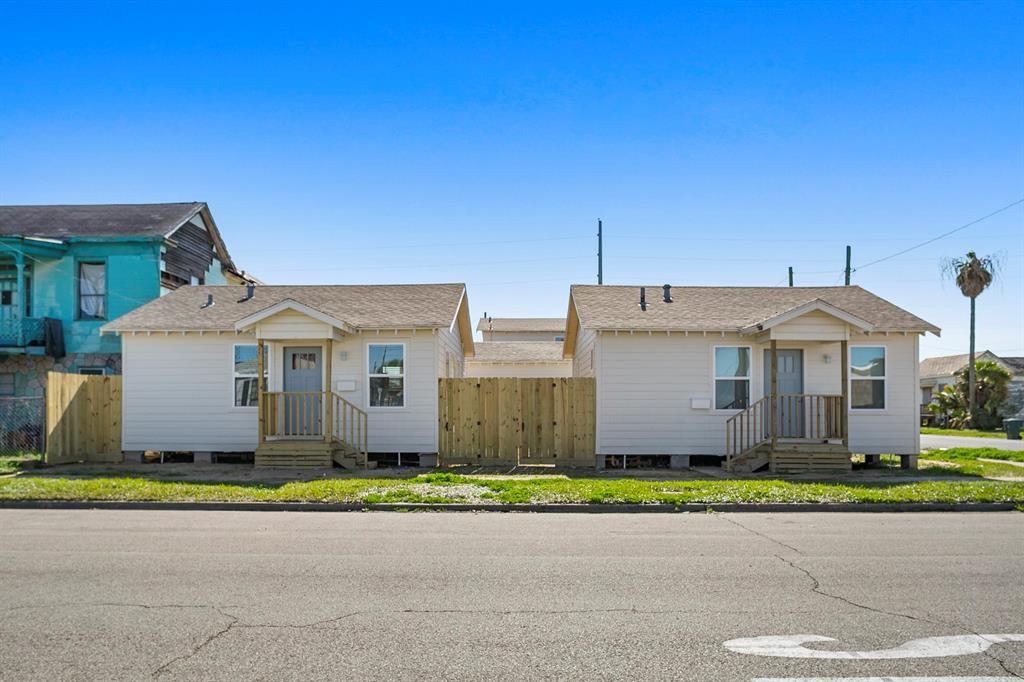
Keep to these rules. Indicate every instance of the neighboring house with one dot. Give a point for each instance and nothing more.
(521, 328)
(525, 359)
(687, 371)
(66, 270)
(937, 373)
(347, 370)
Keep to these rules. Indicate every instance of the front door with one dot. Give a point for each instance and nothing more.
(789, 415)
(303, 385)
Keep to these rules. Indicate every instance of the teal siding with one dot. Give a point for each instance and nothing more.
(133, 278)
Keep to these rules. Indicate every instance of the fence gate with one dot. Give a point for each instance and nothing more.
(83, 418)
(511, 421)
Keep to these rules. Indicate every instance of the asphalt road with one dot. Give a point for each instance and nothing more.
(118, 595)
(935, 442)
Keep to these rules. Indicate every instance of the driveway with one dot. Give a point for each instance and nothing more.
(175, 595)
(936, 442)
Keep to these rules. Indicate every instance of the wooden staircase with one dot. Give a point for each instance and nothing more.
(322, 429)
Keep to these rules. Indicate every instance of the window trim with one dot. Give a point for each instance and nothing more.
(884, 378)
(715, 378)
(235, 375)
(405, 374)
(78, 288)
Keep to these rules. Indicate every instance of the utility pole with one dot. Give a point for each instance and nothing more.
(600, 254)
(848, 251)
(790, 275)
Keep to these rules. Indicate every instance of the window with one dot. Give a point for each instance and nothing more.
(732, 377)
(6, 297)
(867, 377)
(303, 360)
(6, 384)
(92, 291)
(246, 372)
(92, 370)
(386, 374)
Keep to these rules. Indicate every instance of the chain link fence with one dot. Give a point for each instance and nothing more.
(22, 424)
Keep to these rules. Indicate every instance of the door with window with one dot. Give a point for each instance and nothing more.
(303, 391)
(789, 413)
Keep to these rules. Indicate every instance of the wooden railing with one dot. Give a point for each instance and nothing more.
(347, 424)
(312, 415)
(791, 416)
(294, 414)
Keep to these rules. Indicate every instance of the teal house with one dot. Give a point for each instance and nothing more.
(67, 270)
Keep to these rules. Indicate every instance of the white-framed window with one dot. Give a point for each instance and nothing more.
(92, 290)
(245, 373)
(93, 371)
(386, 374)
(867, 377)
(6, 384)
(732, 377)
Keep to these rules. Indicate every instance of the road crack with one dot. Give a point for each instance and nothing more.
(759, 534)
(202, 645)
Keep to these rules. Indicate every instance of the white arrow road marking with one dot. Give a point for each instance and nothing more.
(885, 679)
(791, 646)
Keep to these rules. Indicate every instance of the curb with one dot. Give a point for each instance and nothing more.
(513, 508)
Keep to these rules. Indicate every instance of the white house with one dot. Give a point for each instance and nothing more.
(346, 370)
(687, 371)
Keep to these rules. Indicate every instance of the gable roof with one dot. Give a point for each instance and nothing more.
(728, 308)
(518, 351)
(70, 221)
(949, 365)
(521, 324)
(360, 306)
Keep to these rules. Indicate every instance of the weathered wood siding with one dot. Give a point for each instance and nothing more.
(83, 418)
(513, 421)
(190, 255)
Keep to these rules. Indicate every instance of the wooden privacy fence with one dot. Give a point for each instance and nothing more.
(513, 421)
(83, 418)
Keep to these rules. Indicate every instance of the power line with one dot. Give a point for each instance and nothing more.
(941, 236)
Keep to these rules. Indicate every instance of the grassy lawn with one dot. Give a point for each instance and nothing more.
(19, 462)
(967, 461)
(448, 487)
(931, 431)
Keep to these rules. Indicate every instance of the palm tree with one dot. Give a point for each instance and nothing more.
(972, 275)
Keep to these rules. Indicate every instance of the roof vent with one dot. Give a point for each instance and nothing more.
(668, 292)
(250, 291)
(643, 298)
(209, 302)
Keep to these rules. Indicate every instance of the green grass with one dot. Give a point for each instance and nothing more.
(932, 431)
(18, 462)
(968, 461)
(438, 488)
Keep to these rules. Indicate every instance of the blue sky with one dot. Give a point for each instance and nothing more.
(720, 143)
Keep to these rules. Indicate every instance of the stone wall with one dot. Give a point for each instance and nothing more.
(30, 370)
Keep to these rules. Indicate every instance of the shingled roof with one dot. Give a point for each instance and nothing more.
(98, 220)
(373, 306)
(728, 308)
(521, 324)
(518, 351)
(949, 365)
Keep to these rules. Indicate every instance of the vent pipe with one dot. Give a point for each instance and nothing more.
(209, 302)
(668, 292)
(250, 291)
(643, 298)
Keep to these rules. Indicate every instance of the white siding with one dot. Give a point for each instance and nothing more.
(178, 395)
(450, 360)
(539, 370)
(521, 336)
(815, 325)
(645, 385)
(291, 324)
(584, 354)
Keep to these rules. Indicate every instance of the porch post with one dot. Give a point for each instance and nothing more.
(260, 388)
(844, 421)
(328, 394)
(19, 305)
(773, 359)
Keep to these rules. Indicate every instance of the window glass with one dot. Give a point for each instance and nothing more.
(867, 378)
(386, 375)
(732, 377)
(246, 369)
(92, 290)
